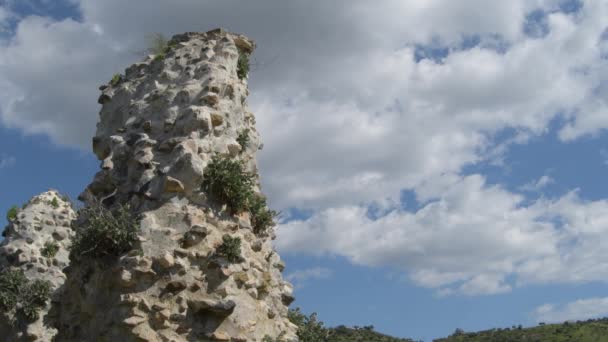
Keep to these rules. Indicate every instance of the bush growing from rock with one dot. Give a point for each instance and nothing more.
(104, 232)
(34, 297)
(310, 329)
(243, 139)
(226, 181)
(115, 80)
(242, 65)
(230, 248)
(50, 249)
(55, 203)
(11, 214)
(262, 218)
(19, 296)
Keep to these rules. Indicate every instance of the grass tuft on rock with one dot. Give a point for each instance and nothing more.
(54, 203)
(11, 214)
(50, 249)
(19, 296)
(104, 232)
(230, 248)
(115, 80)
(159, 57)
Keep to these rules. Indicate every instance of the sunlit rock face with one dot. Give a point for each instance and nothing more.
(159, 127)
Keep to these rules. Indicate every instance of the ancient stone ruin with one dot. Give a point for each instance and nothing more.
(202, 266)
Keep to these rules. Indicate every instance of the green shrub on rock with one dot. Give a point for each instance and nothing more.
(19, 296)
(242, 68)
(230, 248)
(243, 139)
(11, 214)
(115, 80)
(54, 203)
(104, 232)
(262, 218)
(50, 249)
(227, 181)
(310, 329)
(11, 283)
(34, 297)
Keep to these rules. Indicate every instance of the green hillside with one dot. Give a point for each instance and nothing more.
(364, 334)
(580, 331)
(593, 330)
(313, 330)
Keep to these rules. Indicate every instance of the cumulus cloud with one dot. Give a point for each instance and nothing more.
(581, 309)
(468, 241)
(299, 277)
(417, 120)
(538, 185)
(51, 71)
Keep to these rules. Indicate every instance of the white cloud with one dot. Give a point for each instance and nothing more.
(51, 71)
(581, 309)
(423, 119)
(482, 284)
(538, 185)
(469, 240)
(7, 161)
(300, 276)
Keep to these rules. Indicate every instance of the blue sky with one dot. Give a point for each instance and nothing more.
(440, 165)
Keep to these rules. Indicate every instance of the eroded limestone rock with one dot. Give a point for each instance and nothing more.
(159, 128)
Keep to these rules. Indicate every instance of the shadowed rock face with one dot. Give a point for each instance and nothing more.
(160, 125)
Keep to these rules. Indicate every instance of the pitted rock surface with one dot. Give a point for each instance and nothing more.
(159, 127)
(44, 220)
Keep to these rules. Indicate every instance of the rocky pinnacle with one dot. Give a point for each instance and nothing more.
(161, 124)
